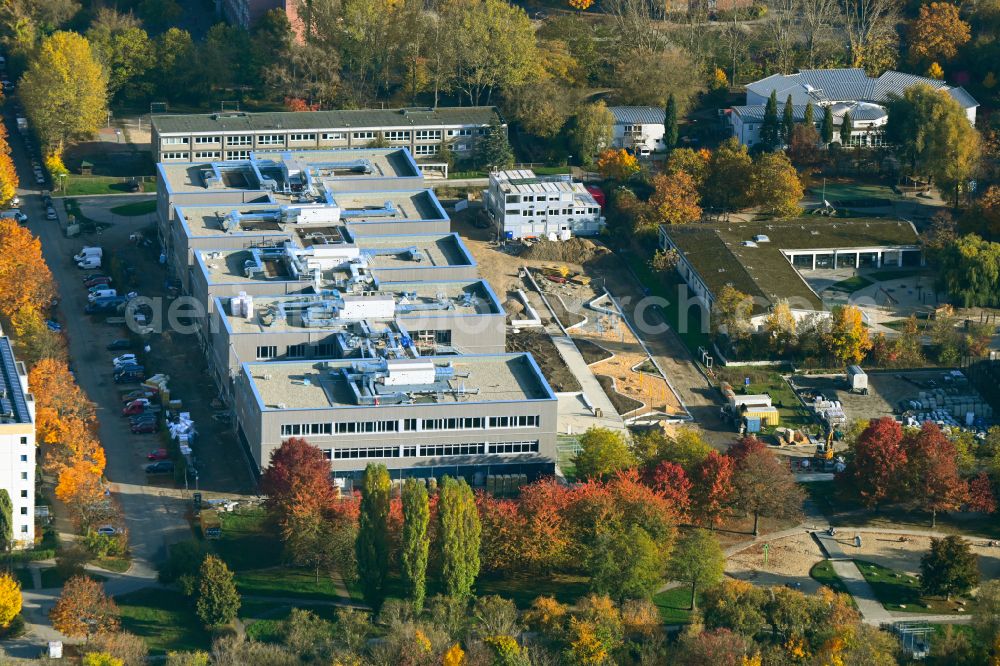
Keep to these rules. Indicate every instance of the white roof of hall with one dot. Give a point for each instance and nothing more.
(840, 85)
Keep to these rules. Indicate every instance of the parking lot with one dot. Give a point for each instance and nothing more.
(154, 508)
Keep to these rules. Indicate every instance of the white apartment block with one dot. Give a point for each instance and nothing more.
(638, 128)
(17, 444)
(523, 205)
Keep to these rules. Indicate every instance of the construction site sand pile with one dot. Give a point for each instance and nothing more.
(574, 251)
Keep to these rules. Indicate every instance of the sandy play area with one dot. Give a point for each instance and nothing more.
(790, 559)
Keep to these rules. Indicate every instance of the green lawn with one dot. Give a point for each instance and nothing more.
(74, 185)
(848, 190)
(164, 618)
(286, 582)
(898, 591)
(793, 413)
(824, 495)
(822, 572)
(247, 541)
(675, 604)
(666, 286)
(523, 589)
(52, 578)
(851, 285)
(136, 208)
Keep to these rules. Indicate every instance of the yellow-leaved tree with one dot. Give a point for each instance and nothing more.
(57, 399)
(617, 164)
(10, 599)
(455, 656)
(65, 91)
(848, 339)
(938, 32)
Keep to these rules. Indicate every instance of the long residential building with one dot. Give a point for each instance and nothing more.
(17, 444)
(233, 135)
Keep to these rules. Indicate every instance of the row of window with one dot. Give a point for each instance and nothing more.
(279, 139)
(529, 212)
(410, 425)
(431, 450)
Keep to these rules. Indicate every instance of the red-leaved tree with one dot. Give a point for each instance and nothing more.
(931, 472)
(876, 461)
(547, 536)
(744, 446)
(981, 497)
(503, 529)
(672, 484)
(713, 489)
(297, 479)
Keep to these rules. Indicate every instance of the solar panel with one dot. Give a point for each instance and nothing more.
(12, 384)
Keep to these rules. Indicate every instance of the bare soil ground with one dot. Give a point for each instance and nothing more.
(788, 561)
(547, 356)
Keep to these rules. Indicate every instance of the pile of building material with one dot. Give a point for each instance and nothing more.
(830, 411)
(966, 406)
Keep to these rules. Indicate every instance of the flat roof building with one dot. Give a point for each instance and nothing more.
(434, 318)
(233, 134)
(17, 444)
(329, 259)
(476, 414)
(523, 205)
(766, 260)
(237, 225)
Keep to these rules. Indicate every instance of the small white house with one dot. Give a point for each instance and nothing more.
(523, 205)
(639, 128)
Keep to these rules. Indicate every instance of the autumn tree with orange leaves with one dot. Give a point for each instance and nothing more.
(83, 609)
(25, 279)
(8, 174)
(937, 33)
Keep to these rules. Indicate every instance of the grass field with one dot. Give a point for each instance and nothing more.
(793, 413)
(286, 582)
(666, 285)
(851, 285)
(136, 208)
(898, 591)
(822, 572)
(674, 605)
(853, 191)
(164, 619)
(74, 185)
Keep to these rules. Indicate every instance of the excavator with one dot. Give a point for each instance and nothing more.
(824, 451)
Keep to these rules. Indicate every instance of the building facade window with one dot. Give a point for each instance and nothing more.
(363, 135)
(301, 137)
(296, 429)
(270, 140)
(207, 154)
(296, 351)
(174, 141)
(238, 154)
(208, 139)
(425, 150)
(265, 352)
(239, 140)
(333, 136)
(173, 156)
(523, 421)
(397, 135)
(460, 132)
(513, 447)
(427, 135)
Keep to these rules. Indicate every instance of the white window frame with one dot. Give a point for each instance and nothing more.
(302, 137)
(266, 352)
(239, 140)
(174, 141)
(208, 139)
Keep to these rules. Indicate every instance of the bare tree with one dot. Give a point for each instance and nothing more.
(634, 24)
(735, 37)
(782, 34)
(871, 33)
(817, 17)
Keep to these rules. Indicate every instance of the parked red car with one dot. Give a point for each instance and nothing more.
(158, 454)
(135, 407)
(93, 282)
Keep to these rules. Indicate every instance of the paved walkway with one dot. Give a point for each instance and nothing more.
(872, 612)
(595, 395)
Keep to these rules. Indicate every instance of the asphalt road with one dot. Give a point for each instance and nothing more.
(154, 516)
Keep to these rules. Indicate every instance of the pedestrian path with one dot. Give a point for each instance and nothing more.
(872, 612)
